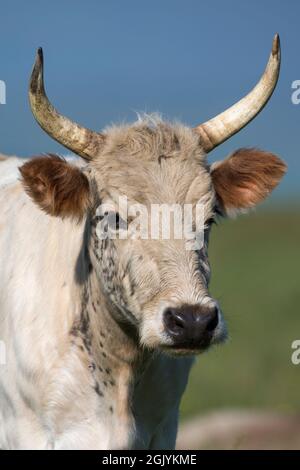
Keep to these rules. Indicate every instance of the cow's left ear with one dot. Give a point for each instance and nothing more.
(57, 187)
(245, 178)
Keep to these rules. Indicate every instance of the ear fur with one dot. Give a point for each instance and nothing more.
(246, 178)
(57, 187)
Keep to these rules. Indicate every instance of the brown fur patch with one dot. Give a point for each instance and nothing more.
(246, 177)
(60, 189)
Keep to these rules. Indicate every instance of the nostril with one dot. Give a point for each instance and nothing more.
(173, 321)
(214, 320)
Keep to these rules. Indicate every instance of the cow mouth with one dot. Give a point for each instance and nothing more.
(193, 347)
(189, 348)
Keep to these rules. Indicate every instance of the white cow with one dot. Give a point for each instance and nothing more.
(100, 332)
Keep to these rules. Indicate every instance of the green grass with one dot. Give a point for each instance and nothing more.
(255, 263)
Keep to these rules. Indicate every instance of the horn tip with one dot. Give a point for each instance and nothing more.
(276, 46)
(39, 56)
(37, 72)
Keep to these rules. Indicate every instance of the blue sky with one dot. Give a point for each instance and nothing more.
(188, 59)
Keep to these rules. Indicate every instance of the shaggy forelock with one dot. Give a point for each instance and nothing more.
(154, 137)
(151, 160)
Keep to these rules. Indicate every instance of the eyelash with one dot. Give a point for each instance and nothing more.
(210, 222)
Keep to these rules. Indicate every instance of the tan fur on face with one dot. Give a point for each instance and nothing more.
(153, 162)
(150, 161)
(246, 177)
(60, 189)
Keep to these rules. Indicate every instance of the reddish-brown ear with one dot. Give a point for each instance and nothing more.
(245, 178)
(60, 189)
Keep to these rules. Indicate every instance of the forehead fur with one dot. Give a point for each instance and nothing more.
(153, 161)
(154, 138)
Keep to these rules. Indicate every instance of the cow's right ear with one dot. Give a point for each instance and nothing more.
(57, 187)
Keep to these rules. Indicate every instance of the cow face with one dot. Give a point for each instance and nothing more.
(158, 284)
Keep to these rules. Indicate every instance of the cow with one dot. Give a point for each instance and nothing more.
(100, 331)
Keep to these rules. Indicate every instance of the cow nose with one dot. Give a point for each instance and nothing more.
(191, 325)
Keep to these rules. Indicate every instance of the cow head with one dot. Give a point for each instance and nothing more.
(157, 284)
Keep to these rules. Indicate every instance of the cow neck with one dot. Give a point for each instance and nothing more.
(115, 360)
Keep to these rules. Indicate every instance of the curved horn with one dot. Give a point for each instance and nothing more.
(78, 139)
(224, 125)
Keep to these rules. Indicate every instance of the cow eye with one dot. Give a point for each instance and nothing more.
(115, 221)
(110, 218)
